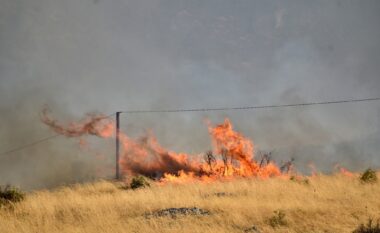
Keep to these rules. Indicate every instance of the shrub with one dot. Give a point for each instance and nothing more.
(369, 176)
(299, 180)
(139, 182)
(369, 228)
(278, 219)
(10, 194)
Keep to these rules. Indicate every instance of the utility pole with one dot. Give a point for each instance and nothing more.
(117, 144)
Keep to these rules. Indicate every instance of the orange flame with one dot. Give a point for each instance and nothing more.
(344, 171)
(313, 169)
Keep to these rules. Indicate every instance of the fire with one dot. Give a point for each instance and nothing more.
(237, 154)
(232, 154)
(313, 169)
(343, 171)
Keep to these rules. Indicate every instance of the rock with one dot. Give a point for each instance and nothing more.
(252, 229)
(174, 212)
(223, 194)
(219, 194)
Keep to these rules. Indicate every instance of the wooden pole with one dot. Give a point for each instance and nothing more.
(117, 144)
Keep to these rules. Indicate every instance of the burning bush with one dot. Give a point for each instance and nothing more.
(10, 194)
(139, 182)
(369, 176)
(369, 228)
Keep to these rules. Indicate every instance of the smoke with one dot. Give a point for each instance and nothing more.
(94, 124)
(86, 56)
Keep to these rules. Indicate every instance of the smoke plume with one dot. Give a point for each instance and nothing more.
(107, 56)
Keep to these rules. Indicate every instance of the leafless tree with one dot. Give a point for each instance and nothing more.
(287, 166)
(225, 161)
(265, 158)
(210, 159)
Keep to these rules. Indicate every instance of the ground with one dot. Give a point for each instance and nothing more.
(323, 204)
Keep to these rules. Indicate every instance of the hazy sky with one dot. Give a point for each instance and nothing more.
(98, 55)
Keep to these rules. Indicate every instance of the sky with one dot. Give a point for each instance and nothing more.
(107, 56)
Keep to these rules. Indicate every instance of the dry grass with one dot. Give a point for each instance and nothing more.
(326, 204)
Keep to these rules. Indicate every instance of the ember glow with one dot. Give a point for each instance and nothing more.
(232, 154)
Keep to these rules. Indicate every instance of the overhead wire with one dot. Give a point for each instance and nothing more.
(249, 107)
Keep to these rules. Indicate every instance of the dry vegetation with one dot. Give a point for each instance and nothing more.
(324, 204)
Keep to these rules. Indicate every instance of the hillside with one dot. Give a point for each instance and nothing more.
(323, 204)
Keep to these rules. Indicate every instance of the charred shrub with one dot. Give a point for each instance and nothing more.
(369, 176)
(370, 227)
(278, 219)
(139, 182)
(9, 194)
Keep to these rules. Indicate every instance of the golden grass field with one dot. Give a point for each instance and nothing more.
(327, 204)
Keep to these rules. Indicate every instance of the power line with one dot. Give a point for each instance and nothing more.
(37, 141)
(250, 107)
(29, 144)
